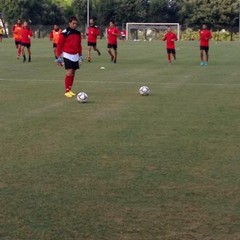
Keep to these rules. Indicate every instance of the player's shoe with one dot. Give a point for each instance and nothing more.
(205, 64)
(202, 63)
(112, 58)
(68, 95)
(72, 93)
(24, 59)
(99, 53)
(89, 59)
(29, 59)
(115, 60)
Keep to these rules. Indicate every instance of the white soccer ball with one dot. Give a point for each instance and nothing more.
(82, 97)
(144, 90)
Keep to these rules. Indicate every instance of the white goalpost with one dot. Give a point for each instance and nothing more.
(149, 31)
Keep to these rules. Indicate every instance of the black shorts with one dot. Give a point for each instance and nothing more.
(70, 64)
(17, 43)
(205, 48)
(170, 50)
(91, 44)
(1, 35)
(54, 45)
(27, 45)
(114, 46)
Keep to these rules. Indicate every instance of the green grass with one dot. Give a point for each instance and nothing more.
(122, 166)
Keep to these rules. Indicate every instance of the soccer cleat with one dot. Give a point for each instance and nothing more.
(72, 93)
(29, 59)
(205, 64)
(89, 59)
(112, 58)
(24, 59)
(99, 53)
(68, 94)
(115, 60)
(202, 63)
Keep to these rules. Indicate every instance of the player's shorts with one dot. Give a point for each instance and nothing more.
(92, 44)
(17, 42)
(205, 48)
(114, 46)
(171, 51)
(27, 45)
(1, 35)
(54, 45)
(70, 64)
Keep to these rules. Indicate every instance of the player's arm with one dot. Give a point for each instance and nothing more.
(164, 37)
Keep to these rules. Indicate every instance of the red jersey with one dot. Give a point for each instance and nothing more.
(26, 35)
(112, 35)
(70, 41)
(17, 32)
(54, 35)
(170, 38)
(123, 33)
(93, 32)
(205, 36)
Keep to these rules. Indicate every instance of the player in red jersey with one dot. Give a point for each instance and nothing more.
(170, 37)
(93, 33)
(54, 37)
(113, 34)
(205, 36)
(123, 34)
(26, 41)
(70, 49)
(17, 35)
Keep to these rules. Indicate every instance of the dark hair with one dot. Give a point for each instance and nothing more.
(112, 21)
(73, 18)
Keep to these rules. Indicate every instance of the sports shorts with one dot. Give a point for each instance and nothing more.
(114, 46)
(92, 44)
(27, 45)
(171, 50)
(205, 48)
(68, 64)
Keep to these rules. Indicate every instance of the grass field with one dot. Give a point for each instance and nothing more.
(122, 166)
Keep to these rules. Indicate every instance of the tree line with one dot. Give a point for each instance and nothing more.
(218, 13)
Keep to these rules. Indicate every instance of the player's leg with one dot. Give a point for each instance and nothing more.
(174, 54)
(169, 55)
(207, 56)
(96, 50)
(19, 49)
(89, 48)
(115, 53)
(202, 56)
(23, 53)
(29, 53)
(110, 52)
(55, 50)
(71, 68)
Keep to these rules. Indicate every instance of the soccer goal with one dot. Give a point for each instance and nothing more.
(149, 31)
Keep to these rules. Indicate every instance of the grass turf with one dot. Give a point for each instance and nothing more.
(121, 166)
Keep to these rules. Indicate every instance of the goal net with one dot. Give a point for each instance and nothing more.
(149, 31)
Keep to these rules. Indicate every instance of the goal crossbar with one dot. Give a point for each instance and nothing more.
(146, 26)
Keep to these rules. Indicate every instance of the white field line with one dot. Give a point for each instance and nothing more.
(126, 82)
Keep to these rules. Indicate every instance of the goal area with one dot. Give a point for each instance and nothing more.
(149, 31)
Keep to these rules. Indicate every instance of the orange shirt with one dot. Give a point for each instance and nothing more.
(54, 35)
(17, 32)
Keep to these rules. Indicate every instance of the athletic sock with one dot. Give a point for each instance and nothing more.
(67, 83)
(71, 80)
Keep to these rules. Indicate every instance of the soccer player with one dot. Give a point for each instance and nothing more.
(113, 34)
(123, 34)
(170, 37)
(26, 41)
(54, 37)
(70, 48)
(1, 33)
(93, 33)
(17, 35)
(205, 36)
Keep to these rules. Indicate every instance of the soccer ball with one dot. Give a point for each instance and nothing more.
(82, 97)
(144, 90)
